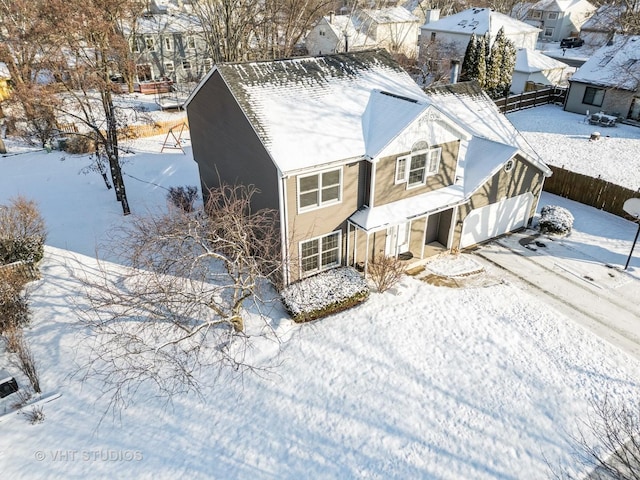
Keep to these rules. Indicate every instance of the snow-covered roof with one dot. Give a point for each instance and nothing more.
(615, 65)
(314, 105)
(563, 5)
(178, 22)
(483, 159)
(479, 21)
(606, 19)
(390, 15)
(402, 210)
(529, 61)
(467, 103)
(348, 25)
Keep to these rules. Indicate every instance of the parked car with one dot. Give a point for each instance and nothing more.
(571, 42)
(8, 384)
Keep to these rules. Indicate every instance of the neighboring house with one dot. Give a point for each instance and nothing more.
(536, 68)
(456, 30)
(606, 22)
(557, 19)
(168, 42)
(609, 81)
(392, 28)
(359, 161)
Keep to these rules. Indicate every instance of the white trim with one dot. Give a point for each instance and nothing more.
(284, 230)
(320, 203)
(404, 173)
(320, 267)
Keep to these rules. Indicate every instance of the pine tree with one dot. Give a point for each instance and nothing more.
(493, 65)
(470, 62)
(481, 69)
(507, 67)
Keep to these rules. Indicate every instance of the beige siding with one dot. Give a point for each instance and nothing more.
(386, 191)
(314, 223)
(417, 236)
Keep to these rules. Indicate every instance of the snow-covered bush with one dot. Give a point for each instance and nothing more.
(555, 220)
(323, 294)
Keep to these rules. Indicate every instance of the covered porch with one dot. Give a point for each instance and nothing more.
(410, 229)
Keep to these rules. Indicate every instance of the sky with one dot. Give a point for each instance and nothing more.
(485, 381)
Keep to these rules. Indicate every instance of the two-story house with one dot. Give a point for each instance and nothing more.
(393, 28)
(359, 161)
(455, 31)
(558, 19)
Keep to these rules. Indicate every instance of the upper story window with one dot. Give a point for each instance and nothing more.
(319, 190)
(149, 43)
(191, 42)
(208, 64)
(535, 14)
(168, 67)
(322, 33)
(415, 168)
(168, 43)
(134, 45)
(186, 65)
(552, 16)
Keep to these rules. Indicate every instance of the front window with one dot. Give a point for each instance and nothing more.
(315, 191)
(413, 169)
(320, 253)
(548, 32)
(593, 96)
(552, 16)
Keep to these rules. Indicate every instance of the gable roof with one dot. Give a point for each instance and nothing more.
(348, 25)
(309, 111)
(530, 61)
(563, 5)
(617, 64)
(480, 21)
(386, 15)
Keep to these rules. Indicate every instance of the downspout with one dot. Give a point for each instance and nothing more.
(284, 230)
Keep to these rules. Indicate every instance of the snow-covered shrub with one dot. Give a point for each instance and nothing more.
(34, 414)
(323, 294)
(555, 220)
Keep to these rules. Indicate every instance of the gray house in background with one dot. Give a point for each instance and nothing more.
(557, 19)
(609, 81)
(359, 161)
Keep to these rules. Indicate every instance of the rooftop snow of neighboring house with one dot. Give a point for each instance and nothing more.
(606, 19)
(4, 70)
(530, 61)
(178, 22)
(615, 65)
(561, 5)
(350, 26)
(390, 15)
(479, 21)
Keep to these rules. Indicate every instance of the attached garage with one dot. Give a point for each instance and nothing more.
(496, 219)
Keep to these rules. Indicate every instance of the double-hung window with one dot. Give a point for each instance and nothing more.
(320, 253)
(319, 190)
(415, 168)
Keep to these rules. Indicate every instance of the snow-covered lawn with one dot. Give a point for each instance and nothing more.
(562, 140)
(419, 382)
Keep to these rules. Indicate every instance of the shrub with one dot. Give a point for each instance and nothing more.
(324, 294)
(183, 197)
(555, 220)
(34, 414)
(22, 232)
(79, 144)
(14, 308)
(385, 272)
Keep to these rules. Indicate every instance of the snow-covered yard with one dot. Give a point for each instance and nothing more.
(419, 382)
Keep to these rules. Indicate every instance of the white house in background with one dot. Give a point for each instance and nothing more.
(535, 67)
(392, 28)
(456, 30)
(557, 19)
(609, 81)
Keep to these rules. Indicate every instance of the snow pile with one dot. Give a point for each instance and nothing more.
(554, 219)
(325, 293)
(454, 265)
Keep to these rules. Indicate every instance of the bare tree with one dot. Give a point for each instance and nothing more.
(615, 428)
(179, 306)
(385, 271)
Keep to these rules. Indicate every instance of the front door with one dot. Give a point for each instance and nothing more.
(397, 239)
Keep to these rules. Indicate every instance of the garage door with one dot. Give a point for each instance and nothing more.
(496, 219)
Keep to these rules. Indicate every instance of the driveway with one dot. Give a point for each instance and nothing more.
(602, 298)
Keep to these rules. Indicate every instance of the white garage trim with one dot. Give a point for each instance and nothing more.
(496, 219)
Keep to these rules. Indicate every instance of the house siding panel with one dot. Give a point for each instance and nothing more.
(386, 191)
(229, 152)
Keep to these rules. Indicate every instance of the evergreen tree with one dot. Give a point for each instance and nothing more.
(494, 63)
(507, 67)
(470, 62)
(481, 75)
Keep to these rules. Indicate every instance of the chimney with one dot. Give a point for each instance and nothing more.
(455, 71)
(432, 15)
(331, 14)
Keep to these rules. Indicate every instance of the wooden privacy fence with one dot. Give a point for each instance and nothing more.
(594, 192)
(531, 99)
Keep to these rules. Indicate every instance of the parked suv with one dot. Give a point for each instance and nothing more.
(571, 42)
